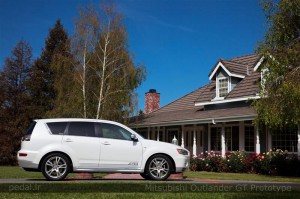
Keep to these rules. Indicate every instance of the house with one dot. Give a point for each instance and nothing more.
(218, 116)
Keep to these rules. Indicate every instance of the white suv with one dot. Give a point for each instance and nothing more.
(57, 147)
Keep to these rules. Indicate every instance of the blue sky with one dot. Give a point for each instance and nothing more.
(179, 41)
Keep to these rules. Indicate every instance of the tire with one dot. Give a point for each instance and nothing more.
(145, 176)
(158, 167)
(55, 167)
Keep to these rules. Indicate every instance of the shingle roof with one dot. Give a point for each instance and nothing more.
(184, 109)
(247, 87)
(235, 67)
(192, 115)
(239, 65)
(188, 101)
(251, 59)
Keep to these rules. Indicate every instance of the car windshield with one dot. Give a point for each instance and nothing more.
(140, 135)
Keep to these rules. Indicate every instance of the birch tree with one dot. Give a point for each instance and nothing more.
(86, 26)
(108, 70)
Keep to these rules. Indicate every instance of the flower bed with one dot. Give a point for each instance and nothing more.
(274, 162)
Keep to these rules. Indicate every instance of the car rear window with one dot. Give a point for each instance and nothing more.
(57, 128)
(30, 129)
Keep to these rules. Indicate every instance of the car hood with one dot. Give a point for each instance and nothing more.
(160, 144)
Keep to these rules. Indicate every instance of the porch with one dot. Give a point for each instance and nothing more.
(223, 136)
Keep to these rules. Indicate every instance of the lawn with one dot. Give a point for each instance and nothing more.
(132, 190)
(233, 195)
(238, 176)
(136, 189)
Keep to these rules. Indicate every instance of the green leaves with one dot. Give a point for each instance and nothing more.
(281, 49)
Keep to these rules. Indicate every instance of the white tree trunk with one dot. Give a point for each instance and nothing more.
(84, 80)
(103, 75)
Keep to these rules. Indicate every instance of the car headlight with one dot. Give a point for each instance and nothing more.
(182, 151)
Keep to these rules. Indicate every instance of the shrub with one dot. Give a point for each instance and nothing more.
(235, 162)
(274, 162)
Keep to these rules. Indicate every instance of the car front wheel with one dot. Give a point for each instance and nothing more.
(158, 167)
(55, 167)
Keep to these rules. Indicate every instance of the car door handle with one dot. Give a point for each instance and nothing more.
(106, 143)
(68, 140)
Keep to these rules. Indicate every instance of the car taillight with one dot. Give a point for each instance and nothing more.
(26, 138)
(22, 154)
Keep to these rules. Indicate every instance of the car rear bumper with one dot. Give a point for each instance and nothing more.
(28, 160)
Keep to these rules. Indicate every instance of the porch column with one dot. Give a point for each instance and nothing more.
(158, 133)
(257, 148)
(242, 136)
(182, 136)
(208, 138)
(194, 143)
(148, 133)
(223, 140)
(298, 145)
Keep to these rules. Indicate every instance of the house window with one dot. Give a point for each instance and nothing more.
(249, 138)
(222, 86)
(285, 139)
(215, 141)
(232, 138)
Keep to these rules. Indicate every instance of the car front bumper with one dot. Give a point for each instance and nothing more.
(182, 163)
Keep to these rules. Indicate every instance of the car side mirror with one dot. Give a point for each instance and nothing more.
(134, 138)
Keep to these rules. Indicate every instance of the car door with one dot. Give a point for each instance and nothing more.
(118, 151)
(81, 141)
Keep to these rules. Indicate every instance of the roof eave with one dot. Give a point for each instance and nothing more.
(211, 120)
(220, 64)
(258, 63)
(226, 100)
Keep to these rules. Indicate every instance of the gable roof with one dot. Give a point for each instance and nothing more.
(227, 69)
(238, 66)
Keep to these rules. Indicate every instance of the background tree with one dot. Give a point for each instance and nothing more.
(86, 27)
(109, 67)
(280, 102)
(46, 72)
(64, 103)
(14, 100)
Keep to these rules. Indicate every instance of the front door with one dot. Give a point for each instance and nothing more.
(118, 151)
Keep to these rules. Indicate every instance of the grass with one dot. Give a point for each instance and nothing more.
(136, 189)
(132, 190)
(17, 172)
(234, 195)
(238, 176)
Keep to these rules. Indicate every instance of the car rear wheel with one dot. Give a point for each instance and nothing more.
(55, 167)
(158, 167)
(145, 176)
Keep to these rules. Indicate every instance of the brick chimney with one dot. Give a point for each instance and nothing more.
(152, 101)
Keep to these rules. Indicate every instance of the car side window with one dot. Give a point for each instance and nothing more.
(86, 129)
(57, 128)
(112, 131)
